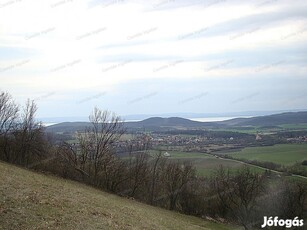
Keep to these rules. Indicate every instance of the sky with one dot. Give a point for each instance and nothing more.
(154, 57)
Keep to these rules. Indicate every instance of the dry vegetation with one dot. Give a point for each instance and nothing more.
(30, 200)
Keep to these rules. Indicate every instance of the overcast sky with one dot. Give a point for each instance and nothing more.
(150, 57)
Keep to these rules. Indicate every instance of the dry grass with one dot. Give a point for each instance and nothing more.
(30, 200)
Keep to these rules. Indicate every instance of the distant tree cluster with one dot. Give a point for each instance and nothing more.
(242, 197)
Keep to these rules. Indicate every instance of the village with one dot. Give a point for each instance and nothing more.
(207, 143)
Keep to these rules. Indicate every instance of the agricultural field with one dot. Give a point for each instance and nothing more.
(207, 164)
(284, 154)
(259, 129)
(127, 137)
(207, 167)
(250, 130)
(302, 126)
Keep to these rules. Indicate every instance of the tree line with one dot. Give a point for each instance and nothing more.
(241, 197)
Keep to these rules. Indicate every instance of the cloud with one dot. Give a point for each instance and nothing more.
(88, 47)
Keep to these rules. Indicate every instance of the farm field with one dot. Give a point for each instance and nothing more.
(207, 164)
(258, 129)
(302, 126)
(127, 137)
(284, 154)
(124, 137)
(207, 167)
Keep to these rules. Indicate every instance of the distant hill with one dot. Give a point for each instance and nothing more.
(30, 200)
(173, 123)
(68, 127)
(270, 120)
(154, 123)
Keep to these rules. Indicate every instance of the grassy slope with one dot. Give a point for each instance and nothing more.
(30, 200)
(286, 154)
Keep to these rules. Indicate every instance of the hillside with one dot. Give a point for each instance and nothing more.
(173, 123)
(153, 123)
(167, 123)
(270, 120)
(30, 200)
(68, 127)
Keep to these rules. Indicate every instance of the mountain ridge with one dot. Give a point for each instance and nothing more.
(159, 123)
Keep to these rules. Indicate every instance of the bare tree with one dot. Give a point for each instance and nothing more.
(70, 155)
(156, 170)
(116, 174)
(105, 131)
(8, 121)
(21, 137)
(239, 193)
(93, 156)
(8, 113)
(29, 136)
(138, 171)
(285, 199)
(194, 197)
(175, 176)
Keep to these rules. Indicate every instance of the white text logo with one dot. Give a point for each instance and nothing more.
(280, 222)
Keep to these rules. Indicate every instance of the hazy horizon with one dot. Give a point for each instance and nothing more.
(203, 117)
(155, 57)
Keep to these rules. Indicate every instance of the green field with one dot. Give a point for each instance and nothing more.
(127, 137)
(252, 130)
(30, 200)
(301, 126)
(208, 167)
(284, 154)
(124, 137)
(206, 164)
(258, 129)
